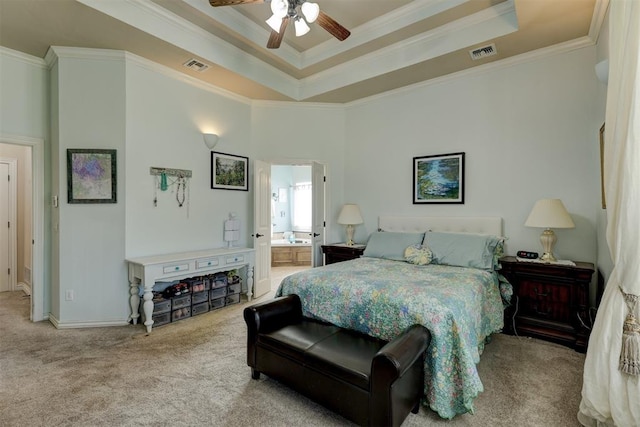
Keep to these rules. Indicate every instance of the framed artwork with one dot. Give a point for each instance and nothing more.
(91, 176)
(229, 172)
(604, 202)
(438, 179)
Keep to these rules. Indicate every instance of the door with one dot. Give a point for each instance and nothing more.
(317, 216)
(5, 229)
(262, 227)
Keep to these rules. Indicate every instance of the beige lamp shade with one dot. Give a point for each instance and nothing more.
(548, 214)
(350, 215)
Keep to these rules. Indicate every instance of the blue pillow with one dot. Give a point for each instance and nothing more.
(390, 244)
(463, 249)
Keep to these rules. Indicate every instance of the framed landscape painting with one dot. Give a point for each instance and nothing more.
(229, 172)
(438, 179)
(91, 176)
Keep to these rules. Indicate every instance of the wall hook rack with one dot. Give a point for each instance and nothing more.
(180, 173)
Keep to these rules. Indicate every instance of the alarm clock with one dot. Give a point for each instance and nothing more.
(527, 255)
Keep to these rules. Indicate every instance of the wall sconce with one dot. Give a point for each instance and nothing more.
(350, 216)
(210, 140)
(548, 214)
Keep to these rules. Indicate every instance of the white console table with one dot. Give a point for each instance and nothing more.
(146, 271)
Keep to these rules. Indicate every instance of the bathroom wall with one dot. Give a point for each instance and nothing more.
(281, 182)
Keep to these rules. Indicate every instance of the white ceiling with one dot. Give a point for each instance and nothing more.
(393, 43)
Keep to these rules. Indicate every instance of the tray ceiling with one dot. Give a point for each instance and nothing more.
(393, 43)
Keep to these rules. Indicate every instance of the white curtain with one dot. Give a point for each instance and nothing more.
(611, 397)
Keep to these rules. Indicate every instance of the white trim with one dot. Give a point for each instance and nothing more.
(484, 68)
(599, 13)
(86, 324)
(396, 20)
(23, 57)
(486, 25)
(56, 52)
(176, 75)
(159, 22)
(393, 21)
(84, 53)
(25, 287)
(37, 227)
(151, 18)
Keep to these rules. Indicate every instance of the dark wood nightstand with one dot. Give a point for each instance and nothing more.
(337, 252)
(550, 301)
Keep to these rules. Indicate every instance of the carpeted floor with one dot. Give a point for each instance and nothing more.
(193, 372)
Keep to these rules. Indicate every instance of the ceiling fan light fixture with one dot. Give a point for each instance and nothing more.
(279, 8)
(301, 27)
(274, 22)
(310, 11)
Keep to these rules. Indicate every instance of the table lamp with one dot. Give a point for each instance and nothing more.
(350, 216)
(548, 214)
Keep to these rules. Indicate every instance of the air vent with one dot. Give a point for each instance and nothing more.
(196, 65)
(483, 52)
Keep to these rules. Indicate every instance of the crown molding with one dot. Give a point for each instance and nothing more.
(485, 25)
(184, 78)
(23, 57)
(248, 29)
(157, 21)
(523, 58)
(56, 52)
(599, 13)
(154, 20)
(298, 104)
(396, 20)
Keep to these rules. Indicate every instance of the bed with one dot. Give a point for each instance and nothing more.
(437, 272)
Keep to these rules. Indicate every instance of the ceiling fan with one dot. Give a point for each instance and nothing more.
(300, 12)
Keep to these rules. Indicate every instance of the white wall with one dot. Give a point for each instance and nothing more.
(89, 239)
(529, 132)
(283, 133)
(24, 113)
(166, 118)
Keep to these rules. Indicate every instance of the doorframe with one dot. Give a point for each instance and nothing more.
(13, 230)
(307, 162)
(37, 220)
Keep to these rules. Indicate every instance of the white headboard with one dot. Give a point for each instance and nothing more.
(481, 225)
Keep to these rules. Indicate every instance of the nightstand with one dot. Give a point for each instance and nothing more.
(337, 252)
(550, 301)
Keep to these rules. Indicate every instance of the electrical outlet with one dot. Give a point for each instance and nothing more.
(68, 296)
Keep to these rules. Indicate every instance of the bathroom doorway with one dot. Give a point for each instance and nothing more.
(291, 215)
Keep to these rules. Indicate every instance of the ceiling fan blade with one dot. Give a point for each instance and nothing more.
(329, 24)
(216, 3)
(275, 39)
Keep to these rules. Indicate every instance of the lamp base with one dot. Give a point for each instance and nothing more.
(350, 230)
(548, 257)
(548, 239)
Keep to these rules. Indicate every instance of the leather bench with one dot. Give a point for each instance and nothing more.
(362, 378)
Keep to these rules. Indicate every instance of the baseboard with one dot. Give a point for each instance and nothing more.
(26, 288)
(84, 324)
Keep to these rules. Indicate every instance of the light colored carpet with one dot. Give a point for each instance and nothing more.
(193, 372)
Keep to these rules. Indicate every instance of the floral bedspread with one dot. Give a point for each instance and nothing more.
(460, 306)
